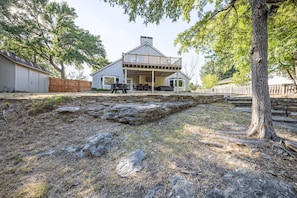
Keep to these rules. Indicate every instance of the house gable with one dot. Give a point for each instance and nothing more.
(145, 49)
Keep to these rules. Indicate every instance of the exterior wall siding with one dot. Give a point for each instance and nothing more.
(17, 78)
(7, 75)
(43, 83)
(21, 79)
(115, 70)
(180, 76)
(146, 49)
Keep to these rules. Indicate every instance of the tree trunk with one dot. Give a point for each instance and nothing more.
(295, 78)
(261, 122)
(63, 71)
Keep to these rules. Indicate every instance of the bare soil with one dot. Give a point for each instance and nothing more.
(201, 144)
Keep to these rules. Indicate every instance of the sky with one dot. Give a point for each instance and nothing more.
(118, 35)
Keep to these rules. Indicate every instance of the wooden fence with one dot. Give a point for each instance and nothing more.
(65, 85)
(286, 89)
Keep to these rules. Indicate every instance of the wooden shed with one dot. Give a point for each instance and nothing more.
(19, 75)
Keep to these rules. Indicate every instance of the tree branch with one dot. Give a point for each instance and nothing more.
(275, 1)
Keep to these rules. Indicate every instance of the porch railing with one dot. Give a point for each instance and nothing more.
(139, 59)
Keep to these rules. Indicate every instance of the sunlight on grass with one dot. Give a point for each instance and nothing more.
(34, 190)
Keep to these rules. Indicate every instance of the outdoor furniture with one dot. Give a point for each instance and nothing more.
(139, 87)
(118, 86)
(164, 88)
(146, 87)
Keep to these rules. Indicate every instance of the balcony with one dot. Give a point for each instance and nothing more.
(150, 62)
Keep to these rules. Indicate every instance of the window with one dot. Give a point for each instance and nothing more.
(108, 80)
(177, 83)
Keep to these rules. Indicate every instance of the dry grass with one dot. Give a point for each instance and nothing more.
(189, 143)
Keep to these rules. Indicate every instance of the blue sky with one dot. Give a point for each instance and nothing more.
(119, 35)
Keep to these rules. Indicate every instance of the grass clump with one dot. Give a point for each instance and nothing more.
(47, 104)
(34, 190)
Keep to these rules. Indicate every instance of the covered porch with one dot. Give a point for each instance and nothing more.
(147, 72)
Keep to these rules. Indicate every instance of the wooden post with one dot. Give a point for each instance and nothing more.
(177, 90)
(125, 76)
(153, 81)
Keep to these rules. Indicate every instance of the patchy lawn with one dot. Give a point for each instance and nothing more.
(200, 144)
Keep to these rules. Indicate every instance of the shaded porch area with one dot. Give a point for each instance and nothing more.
(148, 80)
(149, 72)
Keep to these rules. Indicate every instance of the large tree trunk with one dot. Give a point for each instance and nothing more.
(261, 123)
(61, 70)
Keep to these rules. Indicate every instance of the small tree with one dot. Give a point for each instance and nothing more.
(209, 81)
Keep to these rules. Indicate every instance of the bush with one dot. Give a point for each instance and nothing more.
(100, 89)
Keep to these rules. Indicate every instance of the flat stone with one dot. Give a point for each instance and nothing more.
(131, 164)
(67, 109)
(97, 145)
(181, 187)
(141, 113)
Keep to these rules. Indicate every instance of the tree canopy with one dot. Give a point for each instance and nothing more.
(227, 40)
(45, 32)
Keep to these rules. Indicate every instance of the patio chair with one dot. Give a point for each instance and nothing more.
(139, 87)
(146, 87)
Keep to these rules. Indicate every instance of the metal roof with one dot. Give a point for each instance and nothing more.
(14, 58)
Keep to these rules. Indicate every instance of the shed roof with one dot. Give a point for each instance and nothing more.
(17, 60)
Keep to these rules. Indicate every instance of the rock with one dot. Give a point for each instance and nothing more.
(97, 145)
(214, 193)
(265, 156)
(140, 113)
(96, 111)
(147, 133)
(155, 191)
(130, 164)
(67, 109)
(241, 185)
(280, 151)
(181, 187)
(238, 128)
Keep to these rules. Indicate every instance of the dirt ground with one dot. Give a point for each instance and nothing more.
(197, 143)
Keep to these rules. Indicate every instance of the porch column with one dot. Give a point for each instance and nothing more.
(153, 80)
(177, 76)
(125, 76)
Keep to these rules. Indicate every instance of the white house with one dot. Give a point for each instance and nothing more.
(19, 75)
(143, 68)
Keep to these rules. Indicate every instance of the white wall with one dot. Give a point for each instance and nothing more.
(43, 83)
(145, 50)
(7, 75)
(21, 79)
(180, 76)
(115, 69)
(28, 80)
